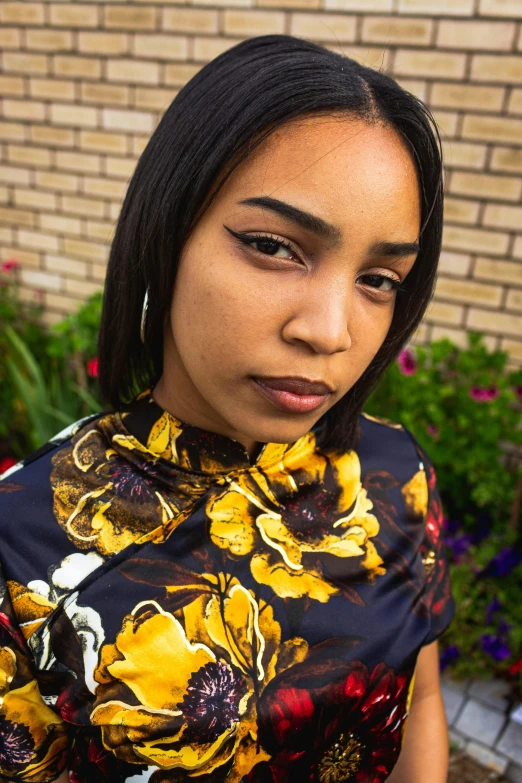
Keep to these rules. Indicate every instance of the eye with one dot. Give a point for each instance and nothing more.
(394, 285)
(267, 245)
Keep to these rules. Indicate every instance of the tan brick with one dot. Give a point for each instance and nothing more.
(301, 5)
(437, 7)
(49, 317)
(17, 217)
(178, 74)
(499, 271)
(14, 175)
(153, 98)
(166, 47)
(120, 167)
(74, 115)
(53, 180)
(514, 300)
(52, 89)
(457, 210)
(104, 187)
(38, 240)
(60, 224)
(6, 235)
(457, 336)
(21, 13)
(476, 35)
(256, 22)
(83, 206)
(98, 272)
(394, 30)
(90, 251)
(429, 63)
(14, 131)
(208, 47)
(100, 230)
(377, 57)
(517, 247)
(190, 20)
(509, 8)
(52, 136)
(86, 67)
(10, 38)
(502, 216)
(446, 122)
(22, 62)
(49, 40)
(417, 87)
(454, 263)
(82, 288)
(41, 280)
(138, 145)
(444, 312)
(103, 43)
(467, 96)
(67, 266)
(512, 347)
(126, 17)
(371, 6)
(135, 71)
(475, 240)
(503, 188)
(234, 3)
(74, 14)
(507, 159)
(111, 94)
(25, 257)
(64, 304)
(468, 291)
(23, 110)
(12, 85)
(494, 129)
(28, 156)
(27, 197)
(497, 68)
(119, 119)
(323, 26)
(495, 321)
(515, 102)
(114, 210)
(78, 161)
(461, 154)
(103, 141)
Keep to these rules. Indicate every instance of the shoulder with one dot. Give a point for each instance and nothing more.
(390, 444)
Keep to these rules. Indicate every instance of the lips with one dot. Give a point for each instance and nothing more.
(295, 385)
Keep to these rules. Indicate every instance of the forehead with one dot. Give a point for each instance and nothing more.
(338, 167)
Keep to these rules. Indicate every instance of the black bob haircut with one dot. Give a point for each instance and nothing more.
(229, 107)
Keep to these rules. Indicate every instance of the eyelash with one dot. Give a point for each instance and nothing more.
(249, 239)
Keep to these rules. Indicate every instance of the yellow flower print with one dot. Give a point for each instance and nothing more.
(180, 690)
(108, 491)
(324, 512)
(33, 738)
(415, 494)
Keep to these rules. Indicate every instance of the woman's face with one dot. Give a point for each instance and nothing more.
(310, 301)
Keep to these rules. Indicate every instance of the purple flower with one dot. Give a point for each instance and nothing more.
(503, 563)
(451, 653)
(450, 525)
(495, 647)
(459, 546)
(407, 362)
(493, 607)
(492, 393)
(504, 627)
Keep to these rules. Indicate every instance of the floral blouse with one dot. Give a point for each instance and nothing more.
(171, 611)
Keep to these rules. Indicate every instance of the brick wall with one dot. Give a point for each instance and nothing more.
(83, 88)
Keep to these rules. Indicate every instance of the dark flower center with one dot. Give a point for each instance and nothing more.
(16, 744)
(129, 482)
(341, 760)
(310, 517)
(211, 703)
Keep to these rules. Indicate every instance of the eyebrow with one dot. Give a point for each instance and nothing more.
(323, 229)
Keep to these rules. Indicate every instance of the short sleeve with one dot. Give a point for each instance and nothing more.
(437, 592)
(33, 737)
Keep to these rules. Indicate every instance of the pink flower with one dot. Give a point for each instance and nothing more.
(407, 363)
(432, 430)
(492, 392)
(483, 393)
(518, 391)
(10, 264)
(92, 367)
(6, 463)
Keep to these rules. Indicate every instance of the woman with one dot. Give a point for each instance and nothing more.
(233, 573)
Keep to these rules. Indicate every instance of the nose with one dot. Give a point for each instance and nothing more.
(321, 317)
